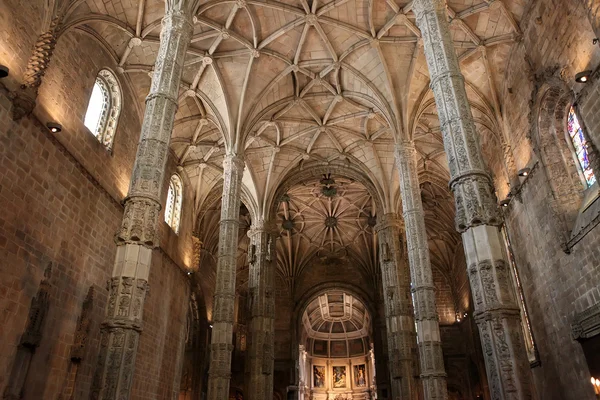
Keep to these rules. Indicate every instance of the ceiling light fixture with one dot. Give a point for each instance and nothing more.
(583, 76)
(524, 172)
(3, 71)
(54, 127)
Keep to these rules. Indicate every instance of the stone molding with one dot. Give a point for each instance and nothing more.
(586, 324)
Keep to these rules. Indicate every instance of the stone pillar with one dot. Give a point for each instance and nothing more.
(223, 311)
(477, 215)
(261, 255)
(431, 359)
(138, 234)
(398, 309)
(24, 99)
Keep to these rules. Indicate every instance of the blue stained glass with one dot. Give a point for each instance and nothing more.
(580, 146)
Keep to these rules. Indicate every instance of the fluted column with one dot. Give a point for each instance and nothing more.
(138, 234)
(477, 215)
(223, 311)
(431, 359)
(398, 309)
(260, 354)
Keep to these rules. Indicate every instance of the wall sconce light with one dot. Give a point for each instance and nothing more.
(524, 172)
(54, 127)
(583, 77)
(3, 71)
(505, 202)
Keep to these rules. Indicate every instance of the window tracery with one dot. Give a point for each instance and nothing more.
(174, 200)
(579, 144)
(104, 107)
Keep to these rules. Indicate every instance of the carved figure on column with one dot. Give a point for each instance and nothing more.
(477, 215)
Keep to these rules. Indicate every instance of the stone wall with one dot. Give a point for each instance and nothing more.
(56, 213)
(557, 43)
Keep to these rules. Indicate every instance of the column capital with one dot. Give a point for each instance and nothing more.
(260, 226)
(386, 221)
(233, 162)
(405, 148)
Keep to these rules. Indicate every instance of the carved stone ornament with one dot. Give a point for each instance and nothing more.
(83, 327)
(139, 222)
(587, 323)
(24, 99)
(37, 313)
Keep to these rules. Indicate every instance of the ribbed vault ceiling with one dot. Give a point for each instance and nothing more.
(293, 82)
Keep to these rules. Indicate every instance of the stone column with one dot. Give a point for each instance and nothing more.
(398, 309)
(261, 255)
(477, 215)
(428, 329)
(223, 310)
(138, 234)
(24, 99)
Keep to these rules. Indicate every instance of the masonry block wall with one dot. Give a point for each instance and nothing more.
(56, 213)
(557, 43)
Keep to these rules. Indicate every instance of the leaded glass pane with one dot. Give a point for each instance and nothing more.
(580, 146)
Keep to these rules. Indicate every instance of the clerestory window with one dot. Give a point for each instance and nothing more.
(580, 149)
(174, 200)
(104, 108)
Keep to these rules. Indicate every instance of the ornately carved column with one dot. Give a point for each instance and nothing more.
(400, 324)
(222, 334)
(24, 99)
(138, 234)
(428, 330)
(261, 255)
(477, 214)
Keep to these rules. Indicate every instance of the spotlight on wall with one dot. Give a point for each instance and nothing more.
(583, 77)
(54, 127)
(504, 203)
(524, 172)
(3, 71)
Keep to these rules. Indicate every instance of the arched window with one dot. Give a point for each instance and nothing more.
(174, 199)
(104, 108)
(580, 147)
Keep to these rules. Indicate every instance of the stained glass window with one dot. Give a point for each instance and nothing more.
(580, 147)
(174, 199)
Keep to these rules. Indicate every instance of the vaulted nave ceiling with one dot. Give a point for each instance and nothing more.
(296, 81)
